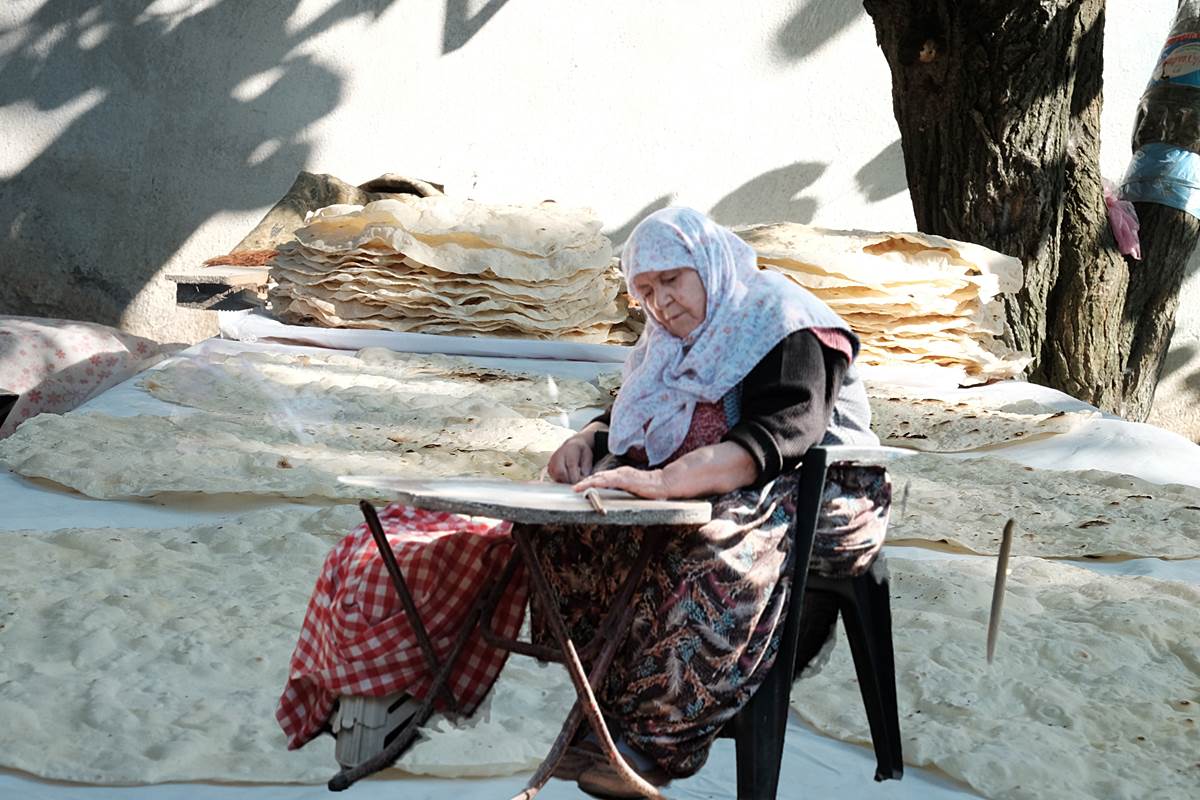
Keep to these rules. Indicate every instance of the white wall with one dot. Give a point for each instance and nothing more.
(137, 142)
(138, 138)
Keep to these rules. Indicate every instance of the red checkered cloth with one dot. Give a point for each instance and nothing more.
(356, 639)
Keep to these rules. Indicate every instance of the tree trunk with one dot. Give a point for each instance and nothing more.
(998, 105)
(1168, 238)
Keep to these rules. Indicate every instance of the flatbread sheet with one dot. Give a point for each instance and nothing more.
(368, 304)
(298, 311)
(1094, 692)
(903, 417)
(452, 266)
(465, 237)
(146, 656)
(142, 456)
(375, 386)
(149, 656)
(865, 255)
(1059, 514)
(933, 425)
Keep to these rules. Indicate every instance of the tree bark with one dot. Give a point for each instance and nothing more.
(1081, 353)
(998, 105)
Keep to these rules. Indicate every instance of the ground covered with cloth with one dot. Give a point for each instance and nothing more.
(149, 656)
(291, 424)
(1059, 513)
(1094, 691)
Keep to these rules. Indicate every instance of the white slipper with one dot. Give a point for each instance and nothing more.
(364, 726)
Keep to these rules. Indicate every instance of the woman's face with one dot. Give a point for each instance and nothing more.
(674, 297)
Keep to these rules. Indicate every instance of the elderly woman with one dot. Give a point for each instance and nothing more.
(738, 373)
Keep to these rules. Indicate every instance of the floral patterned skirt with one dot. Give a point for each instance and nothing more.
(707, 621)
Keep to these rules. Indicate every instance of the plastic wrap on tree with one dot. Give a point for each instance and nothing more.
(1170, 108)
(1122, 218)
(1165, 168)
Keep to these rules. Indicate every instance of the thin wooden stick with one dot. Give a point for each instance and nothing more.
(593, 497)
(993, 630)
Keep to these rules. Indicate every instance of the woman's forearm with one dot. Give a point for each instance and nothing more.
(714, 469)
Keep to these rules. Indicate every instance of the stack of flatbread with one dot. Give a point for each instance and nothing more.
(451, 266)
(912, 298)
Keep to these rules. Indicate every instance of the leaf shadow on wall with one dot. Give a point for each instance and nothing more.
(1177, 359)
(1176, 392)
(813, 26)
(883, 176)
(461, 25)
(774, 196)
(618, 235)
(185, 112)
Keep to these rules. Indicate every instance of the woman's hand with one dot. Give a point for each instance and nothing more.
(651, 484)
(715, 469)
(572, 461)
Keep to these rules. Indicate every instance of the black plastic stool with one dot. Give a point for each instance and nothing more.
(866, 612)
(758, 729)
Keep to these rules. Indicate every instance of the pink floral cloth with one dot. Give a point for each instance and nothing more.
(54, 365)
(748, 311)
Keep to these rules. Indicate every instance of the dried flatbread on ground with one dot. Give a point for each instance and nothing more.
(906, 417)
(1059, 514)
(375, 386)
(934, 425)
(1094, 692)
(176, 644)
(119, 457)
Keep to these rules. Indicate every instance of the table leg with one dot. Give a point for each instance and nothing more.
(388, 756)
(406, 600)
(488, 597)
(586, 706)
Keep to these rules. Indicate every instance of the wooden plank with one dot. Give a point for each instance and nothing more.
(533, 502)
(224, 276)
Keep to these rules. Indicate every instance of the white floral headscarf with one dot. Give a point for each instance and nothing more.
(747, 312)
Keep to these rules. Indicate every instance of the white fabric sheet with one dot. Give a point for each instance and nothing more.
(251, 326)
(813, 766)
